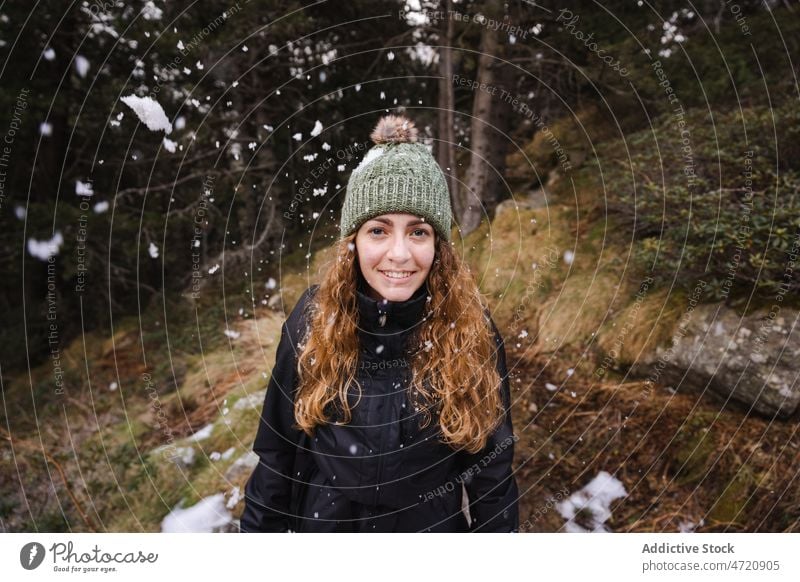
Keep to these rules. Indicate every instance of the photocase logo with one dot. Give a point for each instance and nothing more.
(31, 555)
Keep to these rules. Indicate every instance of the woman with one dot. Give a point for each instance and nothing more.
(389, 398)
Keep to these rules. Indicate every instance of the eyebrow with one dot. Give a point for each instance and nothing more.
(389, 222)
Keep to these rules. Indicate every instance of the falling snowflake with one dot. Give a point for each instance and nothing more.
(149, 112)
(43, 250)
(170, 145)
(81, 65)
(83, 188)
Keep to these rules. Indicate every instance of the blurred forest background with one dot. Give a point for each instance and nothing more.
(624, 177)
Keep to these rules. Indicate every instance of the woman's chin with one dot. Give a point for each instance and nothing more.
(397, 292)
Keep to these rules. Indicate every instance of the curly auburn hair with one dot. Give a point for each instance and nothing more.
(449, 376)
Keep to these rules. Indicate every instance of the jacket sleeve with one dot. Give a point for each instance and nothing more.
(268, 491)
(487, 475)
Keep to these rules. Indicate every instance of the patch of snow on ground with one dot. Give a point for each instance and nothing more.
(203, 517)
(592, 503)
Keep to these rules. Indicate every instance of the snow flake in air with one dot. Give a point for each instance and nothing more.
(170, 145)
(83, 188)
(81, 65)
(149, 112)
(151, 12)
(45, 249)
(317, 129)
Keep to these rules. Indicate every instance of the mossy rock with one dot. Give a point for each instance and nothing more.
(640, 326)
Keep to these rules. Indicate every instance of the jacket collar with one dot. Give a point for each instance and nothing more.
(381, 316)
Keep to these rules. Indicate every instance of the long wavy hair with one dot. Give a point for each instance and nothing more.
(448, 352)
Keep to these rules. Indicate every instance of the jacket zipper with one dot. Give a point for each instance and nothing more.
(382, 323)
(380, 470)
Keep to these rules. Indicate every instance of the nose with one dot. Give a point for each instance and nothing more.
(398, 251)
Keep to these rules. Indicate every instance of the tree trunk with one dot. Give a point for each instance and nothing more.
(446, 145)
(484, 183)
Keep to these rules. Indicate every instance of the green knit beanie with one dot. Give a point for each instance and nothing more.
(397, 175)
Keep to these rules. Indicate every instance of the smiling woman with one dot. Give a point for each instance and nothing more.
(395, 254)
(381, 413)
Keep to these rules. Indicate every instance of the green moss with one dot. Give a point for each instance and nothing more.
(693, 448)
(732, 499)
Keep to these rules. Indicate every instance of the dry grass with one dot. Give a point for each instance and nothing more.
(681, 458)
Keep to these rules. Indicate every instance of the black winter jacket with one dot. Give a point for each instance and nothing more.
(381, 472)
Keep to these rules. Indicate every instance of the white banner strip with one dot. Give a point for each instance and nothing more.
(354, 557)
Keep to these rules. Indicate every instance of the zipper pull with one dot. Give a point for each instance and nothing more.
(381, 313)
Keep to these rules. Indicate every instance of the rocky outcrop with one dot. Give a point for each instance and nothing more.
(753, 359)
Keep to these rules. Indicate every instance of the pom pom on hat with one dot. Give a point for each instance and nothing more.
(394, 129)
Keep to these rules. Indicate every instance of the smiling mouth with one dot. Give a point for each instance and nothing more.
(397, 275)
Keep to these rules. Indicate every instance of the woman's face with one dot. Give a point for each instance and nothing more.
(395, 253)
